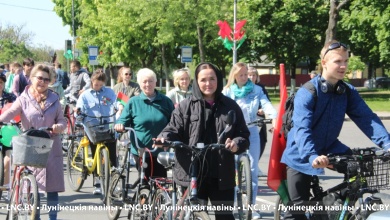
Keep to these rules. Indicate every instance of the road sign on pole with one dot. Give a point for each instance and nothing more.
(186, 54)
(92, 55)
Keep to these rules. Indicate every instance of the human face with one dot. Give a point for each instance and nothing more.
(27, 68)
(335, 65)
(126, 75)
(97, 84)
(241, 77)
(148, 84)
(253, 76)
(73, 68)
(184, 81)
(208, 82)
(40, 81)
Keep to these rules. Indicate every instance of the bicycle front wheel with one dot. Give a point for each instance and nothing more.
(159, 205)
(104, 172)
(67, 135)
(141, 199)
(278, 213)
(114, 196)
(25, 205)
(75, 176)
(200, 215)
(244, 192)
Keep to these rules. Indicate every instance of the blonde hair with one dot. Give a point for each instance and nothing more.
(43, 68)
(251, 69)
(145, 72)
(326, 46)
(120, 72)
(179, 73)
(233, 72)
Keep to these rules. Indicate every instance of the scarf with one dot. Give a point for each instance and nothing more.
(39, 97)
(243, 91)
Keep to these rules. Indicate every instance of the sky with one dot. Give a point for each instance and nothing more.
(39, 18)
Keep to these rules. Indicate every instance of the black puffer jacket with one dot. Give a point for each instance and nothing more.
(188, 124)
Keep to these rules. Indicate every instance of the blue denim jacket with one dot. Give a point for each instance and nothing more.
(317, 125)
(250, 103)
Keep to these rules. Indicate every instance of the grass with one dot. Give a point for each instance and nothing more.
(377, 99)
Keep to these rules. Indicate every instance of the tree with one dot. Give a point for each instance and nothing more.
(13, 43)
(334, 11)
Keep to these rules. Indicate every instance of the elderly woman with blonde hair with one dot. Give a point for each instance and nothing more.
(182, 90)
(148, 113)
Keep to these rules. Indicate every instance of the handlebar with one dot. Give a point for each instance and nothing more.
(70, 99)
(260, 122)
(10, 123)
(360, 154)
(179, 144)
(80, 113)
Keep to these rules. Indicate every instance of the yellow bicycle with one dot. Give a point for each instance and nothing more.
(80, 164)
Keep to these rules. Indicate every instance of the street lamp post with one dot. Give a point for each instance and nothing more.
(234, 31)
(73, 31)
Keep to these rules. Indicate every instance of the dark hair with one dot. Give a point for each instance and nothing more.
(76, 63)
(195, 87)
(99, 75)
(28, 61)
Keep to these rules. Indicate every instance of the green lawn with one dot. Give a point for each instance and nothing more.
(377, 100)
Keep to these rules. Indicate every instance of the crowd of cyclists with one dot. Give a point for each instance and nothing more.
(194, 114)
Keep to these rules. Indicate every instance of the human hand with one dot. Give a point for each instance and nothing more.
(231, 145)
(260, 112)
(56, 128)
(81, 91)
(320, 162)
(119, 127)
(157, 142)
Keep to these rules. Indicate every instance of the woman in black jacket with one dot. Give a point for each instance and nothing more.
(200, 119)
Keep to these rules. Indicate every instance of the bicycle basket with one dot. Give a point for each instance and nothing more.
(99, 132)
(375, 172)
(31, 149)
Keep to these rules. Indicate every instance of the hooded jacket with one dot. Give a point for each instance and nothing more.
(188, 124)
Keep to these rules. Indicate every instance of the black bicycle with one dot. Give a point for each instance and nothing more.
(366, 172)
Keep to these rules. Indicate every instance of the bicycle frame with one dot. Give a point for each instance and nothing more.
(18, 170)
(83, 146)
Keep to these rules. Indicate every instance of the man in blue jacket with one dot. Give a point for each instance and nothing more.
(318, 120)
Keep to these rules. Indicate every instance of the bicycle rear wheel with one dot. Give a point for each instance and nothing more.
(75, 177)
(104, 174)
(67, 135)
(114, 196)
(278, 213)
(244, 193)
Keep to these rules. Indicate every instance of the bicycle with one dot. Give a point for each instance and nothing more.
(30, 149)
(80, 164)
(7, 131)
(366, 171)
(68, 135)
(244, 178)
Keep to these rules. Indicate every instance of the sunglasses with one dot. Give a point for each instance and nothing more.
(40, 78)
(335, 46)
(128, 74)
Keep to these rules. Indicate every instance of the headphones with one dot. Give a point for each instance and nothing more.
(339, 88)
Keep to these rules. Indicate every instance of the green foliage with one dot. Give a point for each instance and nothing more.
(355, 64)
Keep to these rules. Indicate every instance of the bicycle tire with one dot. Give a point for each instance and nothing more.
(200, 215)
(75, 177)
(67, 136)
(278, 213)
(141, 198)
(104, 172)
(28, 197)
(1, 171)
(11, 213)
(114, 193)
(159, 210)
(244, 193)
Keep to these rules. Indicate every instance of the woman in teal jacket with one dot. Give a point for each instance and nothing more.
(148, 114)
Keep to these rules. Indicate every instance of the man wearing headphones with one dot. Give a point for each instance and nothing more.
(318, 120)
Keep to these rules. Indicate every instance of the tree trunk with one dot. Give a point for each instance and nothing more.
(335, 7)
(200, 42)
(165, 67)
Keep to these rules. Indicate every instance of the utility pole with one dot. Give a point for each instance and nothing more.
(73, 31)
(234, 31)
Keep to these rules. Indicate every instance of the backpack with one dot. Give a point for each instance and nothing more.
(287, 122)
(65, 80)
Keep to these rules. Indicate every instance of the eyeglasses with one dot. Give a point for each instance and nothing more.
(335, 46)
(127, 74)
(40, 78)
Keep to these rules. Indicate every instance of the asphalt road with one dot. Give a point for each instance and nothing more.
(84, 205)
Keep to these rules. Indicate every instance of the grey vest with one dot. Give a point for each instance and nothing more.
(76, 83)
